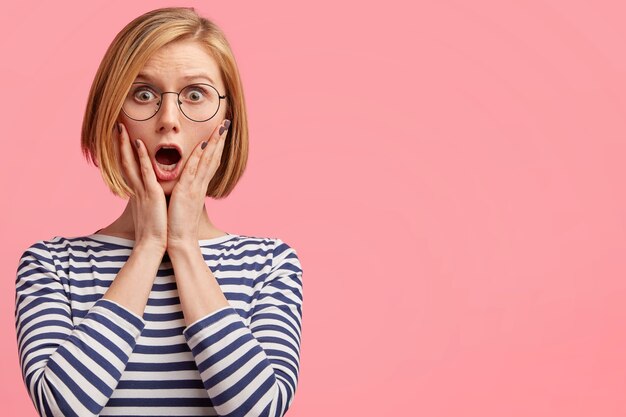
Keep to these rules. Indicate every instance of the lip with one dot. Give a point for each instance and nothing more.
(167, 175)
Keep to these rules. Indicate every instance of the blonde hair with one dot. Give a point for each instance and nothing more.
(125, 57)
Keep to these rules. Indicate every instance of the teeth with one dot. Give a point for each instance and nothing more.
(166, 167)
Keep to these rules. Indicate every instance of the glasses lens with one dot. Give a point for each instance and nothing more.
(142, 102)
(199, 101)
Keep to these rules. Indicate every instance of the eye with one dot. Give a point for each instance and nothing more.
(144, 94)
(197, 94)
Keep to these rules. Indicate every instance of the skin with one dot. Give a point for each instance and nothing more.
(170, 215)
(169, 125)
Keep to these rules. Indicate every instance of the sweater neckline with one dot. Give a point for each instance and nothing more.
(131, 243)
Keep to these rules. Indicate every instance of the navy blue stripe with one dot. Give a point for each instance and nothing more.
(161, 302)
(233, 296)
(207, 321)
(125, 314)
(38, 270)
(159, 402)
(214, 338)
(175, 331)
(42, 281)
(42, 294)
(251, 401)
(84, 398)
(270, 313)
(46, 323)
(103, 340)
(69, 277)
(161, 350)
(218, 356)
(280, 248)
(161, 367)
(86, 298)
(177, 315)
(63, 405)
(237, 363)
(97, 357)
(92, 283)
(93, 379)
(100, 255)
(274, 318)
(280, 285)
(25, 260)
(54, 313)
(47, 409)
(249, 282)
(275, 356)
(46, 336)
(167, 384)
(31, 375)
(232, 391)
(240, 268)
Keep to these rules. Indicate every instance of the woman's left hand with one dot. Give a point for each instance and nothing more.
(186, 204)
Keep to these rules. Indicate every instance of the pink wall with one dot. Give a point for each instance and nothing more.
(451, 175)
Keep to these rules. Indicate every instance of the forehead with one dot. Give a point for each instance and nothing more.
(175, 61)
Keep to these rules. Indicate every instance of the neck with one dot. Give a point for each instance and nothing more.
(124, 225)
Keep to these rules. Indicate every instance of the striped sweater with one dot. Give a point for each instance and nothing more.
(82, 355)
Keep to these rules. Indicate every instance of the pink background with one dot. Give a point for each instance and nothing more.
(451, 174)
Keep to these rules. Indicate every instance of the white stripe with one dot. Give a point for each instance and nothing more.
(161, 411)
(160, 376)
(256, 253)
(235, 377)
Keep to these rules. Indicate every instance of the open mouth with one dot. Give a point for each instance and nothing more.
(167, 162)
(167, 158)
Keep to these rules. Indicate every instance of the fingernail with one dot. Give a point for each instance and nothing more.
(226, 123)
(119, 127)
(222, 129)
(137, 143)
(203, 145)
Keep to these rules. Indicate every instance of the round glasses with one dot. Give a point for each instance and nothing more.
(198, 102)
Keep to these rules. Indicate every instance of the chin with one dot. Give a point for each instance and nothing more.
(167, 187)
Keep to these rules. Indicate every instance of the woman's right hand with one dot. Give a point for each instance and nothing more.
(149, 207)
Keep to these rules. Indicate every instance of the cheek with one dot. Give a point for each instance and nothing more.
(207, 132)
(132, 131)
(134, 128)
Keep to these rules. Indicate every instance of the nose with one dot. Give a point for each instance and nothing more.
(169, 113)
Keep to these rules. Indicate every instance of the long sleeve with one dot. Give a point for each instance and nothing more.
(68, 370)
(253, 371)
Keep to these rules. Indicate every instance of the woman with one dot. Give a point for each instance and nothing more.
(161, 312)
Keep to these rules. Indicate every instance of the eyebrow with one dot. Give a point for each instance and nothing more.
(148, 77)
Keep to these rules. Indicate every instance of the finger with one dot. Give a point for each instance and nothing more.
(147, 171)
(211, 157)
(194, 164)
(129, 164)
(212, 162)
(189, 174)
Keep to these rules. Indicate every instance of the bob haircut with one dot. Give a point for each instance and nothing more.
(125, 57)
